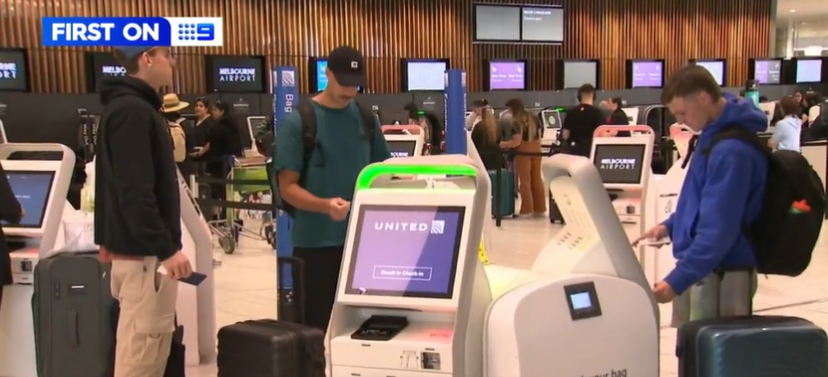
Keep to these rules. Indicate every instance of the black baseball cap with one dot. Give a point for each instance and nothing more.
(347, 66)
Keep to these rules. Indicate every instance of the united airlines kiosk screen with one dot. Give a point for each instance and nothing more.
(31, 188)
(405, 251)
(619, 163)
(402, 148)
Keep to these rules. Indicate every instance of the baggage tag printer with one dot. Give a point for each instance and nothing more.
(588, 289)
(41, 187)
(412, 294)
(624, 166)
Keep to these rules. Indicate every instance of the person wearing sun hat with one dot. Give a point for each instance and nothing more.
(137, 209)
(179, 132)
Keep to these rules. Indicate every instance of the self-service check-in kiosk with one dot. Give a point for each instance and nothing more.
(41, 187)
(253, 124)
(412, 294)
(632, 114)
(769, 108)
(624, 165)
(404, 140)
(585, 308)
(551, 119)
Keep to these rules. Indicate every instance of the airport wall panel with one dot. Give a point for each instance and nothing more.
(287, 32)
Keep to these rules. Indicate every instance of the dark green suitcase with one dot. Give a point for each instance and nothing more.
(506, 192)
(757, 346)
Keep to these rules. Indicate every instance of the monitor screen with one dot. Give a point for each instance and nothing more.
(101, 65)
(715, 67)
(808, 71)
(620, 163)
(496, 23)
(426, 75)
(767, 71)
(402, 148)
(31, 188)
(577, 73)
(507, 75)
(551, 118)
(405, 251)
(13, 70)
(235, 74)
(647, 74)
(321, 77)
(542, 24)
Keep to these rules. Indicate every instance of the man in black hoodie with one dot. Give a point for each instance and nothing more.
(137, 210)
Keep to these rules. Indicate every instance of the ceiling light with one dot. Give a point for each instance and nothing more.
(792, 11)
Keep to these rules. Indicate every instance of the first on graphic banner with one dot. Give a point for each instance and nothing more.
(132, 31)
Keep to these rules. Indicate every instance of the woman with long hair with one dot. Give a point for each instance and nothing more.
(526, 138)
(786, 133)
(486, 138)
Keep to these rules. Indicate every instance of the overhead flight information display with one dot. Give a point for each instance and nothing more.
(767, 71)
(496, 23)
(405, 251)
(507, 75)
(542, 24)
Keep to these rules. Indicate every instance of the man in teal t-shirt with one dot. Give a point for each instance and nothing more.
(323, 200)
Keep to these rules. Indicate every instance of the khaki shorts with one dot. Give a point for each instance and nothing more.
(720, 294)
(147, 320)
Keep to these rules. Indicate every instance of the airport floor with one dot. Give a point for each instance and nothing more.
(245, 283)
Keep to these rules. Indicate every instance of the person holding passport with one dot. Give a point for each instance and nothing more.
(321, 188)
(138, 211)
(724, 189)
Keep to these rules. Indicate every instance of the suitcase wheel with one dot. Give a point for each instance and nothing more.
(227, 243)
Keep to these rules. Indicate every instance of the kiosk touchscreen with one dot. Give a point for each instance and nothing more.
(632, 114)
(41, 187)
(551, 122)
(404, 141)
(769, 108)
(412, 293)
(253, 125)
(623, 164)
(589, 290)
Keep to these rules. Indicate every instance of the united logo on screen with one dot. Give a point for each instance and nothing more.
(618, 163)
(237, 74)
(436, 227)
(8, 70)
(113, 70)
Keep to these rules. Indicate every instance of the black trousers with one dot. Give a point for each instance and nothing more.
(322, 268)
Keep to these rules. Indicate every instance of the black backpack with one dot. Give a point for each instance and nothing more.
(786, 231)
(309, 143)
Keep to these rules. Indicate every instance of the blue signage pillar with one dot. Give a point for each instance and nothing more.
(285, 97)
(455, 110)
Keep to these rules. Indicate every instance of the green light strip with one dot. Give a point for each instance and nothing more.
(367, 177)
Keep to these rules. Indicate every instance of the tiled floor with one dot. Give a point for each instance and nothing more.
(246, 282)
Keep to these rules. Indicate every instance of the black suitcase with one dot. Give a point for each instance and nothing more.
(271, 348)
(757, 346)
(555, 215)
(72, 308)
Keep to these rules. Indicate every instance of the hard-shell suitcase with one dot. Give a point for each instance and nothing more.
(72, 307)
(274, 348)
(505, 191)
(757, 346)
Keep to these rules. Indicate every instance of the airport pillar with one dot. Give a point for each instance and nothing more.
(285, 96)
(455, 110)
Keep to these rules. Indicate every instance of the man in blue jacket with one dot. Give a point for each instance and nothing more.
(723, 191)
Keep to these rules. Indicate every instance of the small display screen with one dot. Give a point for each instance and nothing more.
(808, 71)
(13, 70)
(405, 251)
(236, 74)
(620, 163)
(426, 75)
(31, 188)
(715, 67)
(647, 74)
(402, 148)
(582, 300)
(507, 75)
(767, 71)
(551, 118)
(101, 65)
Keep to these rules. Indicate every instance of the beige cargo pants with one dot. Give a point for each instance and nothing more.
(147, 320)
(719, 295)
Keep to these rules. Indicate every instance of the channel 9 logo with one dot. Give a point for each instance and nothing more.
(196, 32)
